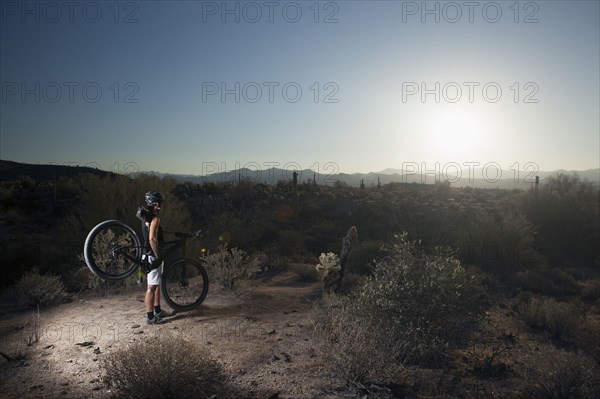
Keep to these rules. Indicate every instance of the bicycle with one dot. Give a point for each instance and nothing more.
(113, 252)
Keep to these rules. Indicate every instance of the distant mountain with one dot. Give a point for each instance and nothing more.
(480, 178)
(490, 177)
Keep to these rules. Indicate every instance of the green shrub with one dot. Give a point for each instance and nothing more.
(416, 305)
(229, 266)
(428, 301)
(34, 289)
(164, 368)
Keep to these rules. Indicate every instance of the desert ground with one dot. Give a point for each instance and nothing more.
(261, 334)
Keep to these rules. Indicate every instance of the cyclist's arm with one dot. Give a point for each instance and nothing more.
(153, 235)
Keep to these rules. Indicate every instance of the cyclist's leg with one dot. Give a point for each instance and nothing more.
(152, 299)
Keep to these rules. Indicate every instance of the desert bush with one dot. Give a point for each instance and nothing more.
(591, 290)
(351, 282)
(164, 368)
(427, 300)
(420, 304)
(499, 242)
(229, 266)
(566, 215)
(486, 360)
(547, 281)
(559, 319)
(588, 336)
(361, 259)
(358, 351)
(83, 279)
(563, 375)
(291, 243)
(272, 260)
(35, 289)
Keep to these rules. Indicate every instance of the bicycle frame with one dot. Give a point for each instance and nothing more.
(172, 247)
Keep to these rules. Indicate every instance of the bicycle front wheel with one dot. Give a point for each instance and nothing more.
(112, 250)
(184, 284)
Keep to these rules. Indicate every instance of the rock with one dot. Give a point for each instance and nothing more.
(97, 351)
(85, 343)
(135, 326)
(271, 332)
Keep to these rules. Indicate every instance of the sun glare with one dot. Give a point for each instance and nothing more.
(455, 132)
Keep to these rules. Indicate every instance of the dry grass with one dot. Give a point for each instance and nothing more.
(358, 351)
(164, 368)
(229, 266)
(559, 319)
(563, 375)
(35, 289)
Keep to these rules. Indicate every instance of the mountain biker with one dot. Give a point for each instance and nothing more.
(152, 233)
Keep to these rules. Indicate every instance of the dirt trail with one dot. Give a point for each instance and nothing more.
(263, 338)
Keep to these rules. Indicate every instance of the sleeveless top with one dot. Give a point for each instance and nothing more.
(146, 217)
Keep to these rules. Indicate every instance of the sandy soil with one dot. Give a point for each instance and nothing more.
(263, 338)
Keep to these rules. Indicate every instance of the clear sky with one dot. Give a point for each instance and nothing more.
(356, 86)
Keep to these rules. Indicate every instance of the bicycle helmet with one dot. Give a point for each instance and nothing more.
(153, 197)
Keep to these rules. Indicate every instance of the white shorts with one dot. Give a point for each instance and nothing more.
(154, 276)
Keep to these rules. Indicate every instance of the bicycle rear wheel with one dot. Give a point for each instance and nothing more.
(184, 284)
(112, 250)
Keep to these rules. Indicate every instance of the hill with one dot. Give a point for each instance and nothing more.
(475, 178)
(11, 171)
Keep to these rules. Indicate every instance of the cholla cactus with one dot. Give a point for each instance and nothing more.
(329, 262)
